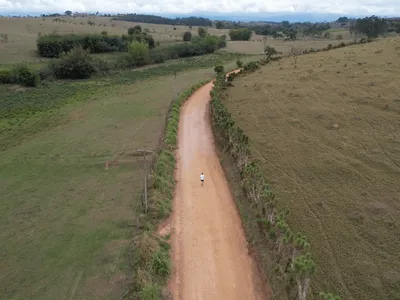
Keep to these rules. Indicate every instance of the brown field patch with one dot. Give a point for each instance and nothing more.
(327, 135)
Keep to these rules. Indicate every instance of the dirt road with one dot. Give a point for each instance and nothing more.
(210, 257)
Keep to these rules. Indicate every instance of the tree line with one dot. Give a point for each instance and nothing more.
(152, 19)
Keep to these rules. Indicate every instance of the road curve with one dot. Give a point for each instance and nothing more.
(210, 256)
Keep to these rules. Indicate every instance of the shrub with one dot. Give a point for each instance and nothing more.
(240, 34)
(54, 45)
(5, 76)
(77, 64)
(251, 66)
(197, 46)
(222, 41)
(219, 69)
(23, 75)
(138, 54)
(187, 36)
(134, 30)
(202, 31)
(270, 51)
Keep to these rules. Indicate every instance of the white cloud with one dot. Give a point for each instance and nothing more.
(345, 7)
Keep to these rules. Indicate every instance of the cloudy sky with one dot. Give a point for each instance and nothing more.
(345, 7)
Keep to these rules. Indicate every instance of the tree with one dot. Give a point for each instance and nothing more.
(342, 20)
(68, 13)
(327, 35)
(295, 53)
(219, 25)
(187, 36)
(304, 268)
(339, 37)
(202, 32)
(299, 242)
(372, 26)
(291, 34)
(219, 69)
(240, 34)
(138, 53)
(134, 30)
(353, 32)
(269, 52)
(222, 41)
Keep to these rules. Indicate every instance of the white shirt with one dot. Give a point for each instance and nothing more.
(202, 177)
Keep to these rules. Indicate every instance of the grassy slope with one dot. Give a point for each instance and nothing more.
(64, 218)
(341, 185)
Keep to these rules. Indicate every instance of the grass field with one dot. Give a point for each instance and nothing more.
(327, 135)
(256, 45)
(23, 32)
(66, 221)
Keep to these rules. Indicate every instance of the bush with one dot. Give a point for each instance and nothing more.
(5, 76)
(138, 54)
(202, 32)
(240, 34)
(77, 64)
(54, 45)
(187, 36)
(25, 76)
(134, 30)
(197, 46)
(222, 41)
(19, 74)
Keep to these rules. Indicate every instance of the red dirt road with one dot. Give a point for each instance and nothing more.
(210, 257)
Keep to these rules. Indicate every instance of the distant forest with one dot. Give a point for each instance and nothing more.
(190, 21)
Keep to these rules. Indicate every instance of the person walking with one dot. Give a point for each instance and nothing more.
(202, 179)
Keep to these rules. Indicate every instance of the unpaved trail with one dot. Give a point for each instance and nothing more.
(210, 256)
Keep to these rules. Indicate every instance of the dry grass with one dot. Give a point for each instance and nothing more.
(23, 32)
(327, 135)
(256, 45)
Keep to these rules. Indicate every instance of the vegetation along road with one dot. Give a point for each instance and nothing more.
(210, 256)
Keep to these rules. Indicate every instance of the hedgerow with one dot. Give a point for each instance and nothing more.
(54, 45)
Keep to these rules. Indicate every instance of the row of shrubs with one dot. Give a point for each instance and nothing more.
(19, 74)
(340, 45)
(152, 265)
(287, 262)
(197, 46)
(54, 45)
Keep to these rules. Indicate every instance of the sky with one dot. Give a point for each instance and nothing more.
(206, 7)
